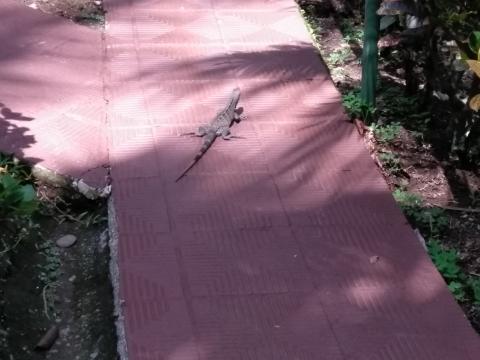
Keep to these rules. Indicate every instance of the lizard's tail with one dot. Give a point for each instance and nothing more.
(207, 143)
(184, 172)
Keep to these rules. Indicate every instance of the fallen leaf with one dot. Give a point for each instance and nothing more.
(475, 66)
(475, 103)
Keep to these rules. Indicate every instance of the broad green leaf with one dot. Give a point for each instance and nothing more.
(8, 182)
(474, 41)
(475, 66)
(28, 193)
(474, 103)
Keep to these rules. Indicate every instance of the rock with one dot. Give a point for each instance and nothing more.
(91, 192)
(50, 177)
(48, 339)
(66, 241)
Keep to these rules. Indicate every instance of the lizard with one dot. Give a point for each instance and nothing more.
(219, 126)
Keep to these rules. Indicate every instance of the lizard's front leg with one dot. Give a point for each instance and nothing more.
(238, 115)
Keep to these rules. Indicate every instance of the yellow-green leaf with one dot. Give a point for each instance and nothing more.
(474, 103)
(475, 66)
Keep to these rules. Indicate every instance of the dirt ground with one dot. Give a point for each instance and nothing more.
(86, 12)
(69, 288)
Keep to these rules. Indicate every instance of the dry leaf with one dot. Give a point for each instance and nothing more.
(475, 66)
(475, 103)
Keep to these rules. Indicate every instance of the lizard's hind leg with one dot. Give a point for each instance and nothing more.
(226, 134)
(202, 131)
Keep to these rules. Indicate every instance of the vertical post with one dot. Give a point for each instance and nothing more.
(369, 55)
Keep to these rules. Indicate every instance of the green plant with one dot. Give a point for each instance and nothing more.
(16, 198)
(351, 32)
(390, 161)
(446, 261)
(338, 56)
(356, 108)
(458, 290)
(431, 221)
(474, 285)
(14, 167)
(386, 133)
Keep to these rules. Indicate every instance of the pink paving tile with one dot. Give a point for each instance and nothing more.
(241, 201)
(176, 27)
(282, 26)
(161, 63)
(264, 327)
(122, 68)
(261, 5)
(160, 330)
(240, 262)
(51, 74)
(149, 269)
(185, 5)
(137, 201)
(277, 61)
(127, 105)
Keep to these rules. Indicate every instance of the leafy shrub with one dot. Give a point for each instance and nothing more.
(431, 221)
(16, 199)
(351, 32)
(357, 108)
(385, 134)
(445, 260)
(475, 289)
(390, 161)
(338, 57)
(18, 202)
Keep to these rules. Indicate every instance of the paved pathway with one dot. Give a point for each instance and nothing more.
(283, 245)
(52, 108)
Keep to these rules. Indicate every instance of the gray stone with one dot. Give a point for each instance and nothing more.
(66, 241)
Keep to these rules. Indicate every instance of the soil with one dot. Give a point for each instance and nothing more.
(68, 287)
(85, 12)
(439, 181)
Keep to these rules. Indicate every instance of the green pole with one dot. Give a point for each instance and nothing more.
(369, 55)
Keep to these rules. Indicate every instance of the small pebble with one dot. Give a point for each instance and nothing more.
(66, 241)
